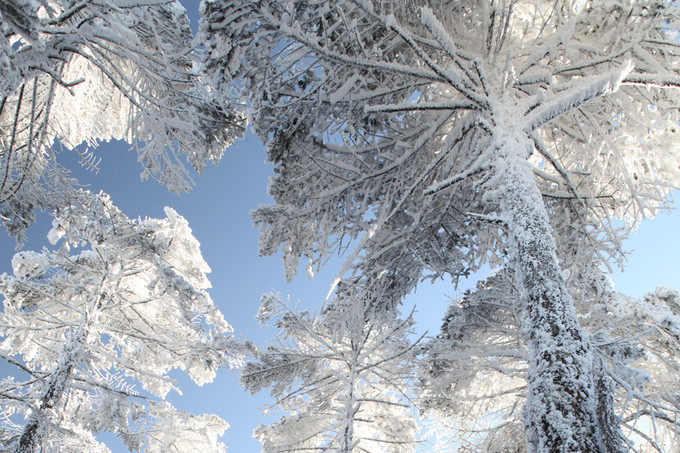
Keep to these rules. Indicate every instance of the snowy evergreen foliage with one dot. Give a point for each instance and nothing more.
(433, 136)
(83, 72)
(97, 324)
(342, 380)
(473, 374)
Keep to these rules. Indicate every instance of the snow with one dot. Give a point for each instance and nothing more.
(29, 264)
(125, 312)
(402, 139)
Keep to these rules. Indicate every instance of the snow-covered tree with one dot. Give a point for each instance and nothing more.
(474, 371)
(341, 379)
(442, 134)
(84, 72)
(96, 333)
(473, 374)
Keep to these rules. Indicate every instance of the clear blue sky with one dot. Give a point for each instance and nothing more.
(218, 212)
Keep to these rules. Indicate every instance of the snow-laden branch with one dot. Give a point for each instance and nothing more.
(565, 101)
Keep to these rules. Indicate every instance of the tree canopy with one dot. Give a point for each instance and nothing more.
(473, 372)
(342, 379)
(418, 139)
(97, 332)
(434, 136)
(79, 73)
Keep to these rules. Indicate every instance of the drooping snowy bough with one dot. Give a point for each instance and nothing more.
(96, 333)
(442, 134)
(85, 72)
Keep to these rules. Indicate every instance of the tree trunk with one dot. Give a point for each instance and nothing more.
(559, 414)
(52, 395)
(609, 423)
(351, 406)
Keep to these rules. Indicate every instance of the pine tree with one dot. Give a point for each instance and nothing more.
(96, 333)
(341, 379)
(434, 136)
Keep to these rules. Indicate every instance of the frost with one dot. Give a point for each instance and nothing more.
(107, 325)
(341, 381)
(310, 269)
(124, 74)
(29, 264)
(55, 234)
(474, 370)
(427, 167)
(343, 91)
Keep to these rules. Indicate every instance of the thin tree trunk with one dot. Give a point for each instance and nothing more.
(560, 410)
(53, 394)
(351, 406)
(611, 434)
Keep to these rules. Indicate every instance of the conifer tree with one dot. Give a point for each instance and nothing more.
(96, 326)
(434, 136)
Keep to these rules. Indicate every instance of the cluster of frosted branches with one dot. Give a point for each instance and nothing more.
(96, 333)
(425, 138)
(81, 72)
(341, 379)
(474, 371)
(388, 109)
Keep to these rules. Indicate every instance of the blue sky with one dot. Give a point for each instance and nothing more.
(218, 212)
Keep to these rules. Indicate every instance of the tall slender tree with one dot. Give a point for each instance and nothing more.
(82, 72)
(341, 379)
(440, 134)
(97, 332)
